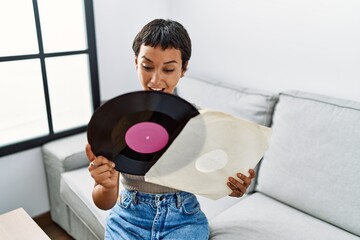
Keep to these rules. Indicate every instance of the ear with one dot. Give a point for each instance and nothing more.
(183, 70)
(136, 63)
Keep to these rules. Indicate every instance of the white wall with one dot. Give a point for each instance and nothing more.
(117, 23)
(310, 45)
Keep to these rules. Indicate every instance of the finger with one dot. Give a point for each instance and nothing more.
(252, 173)
(246, 180)
(90, 155)
(231, 186)
(236, 186)
(235, 191)
(100, 161)
(92, 165)
(233, 194)
(111, 181)
(99, 165)
(241, 187)
(236, 194)
(102, 172)
(101, 176)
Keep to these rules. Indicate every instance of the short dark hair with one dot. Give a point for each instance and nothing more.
(165, 33)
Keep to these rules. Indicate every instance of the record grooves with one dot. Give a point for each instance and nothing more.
(135, 129)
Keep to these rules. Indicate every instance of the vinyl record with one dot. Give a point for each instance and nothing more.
(135, 129)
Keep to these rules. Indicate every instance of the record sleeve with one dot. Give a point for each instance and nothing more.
(212, 147)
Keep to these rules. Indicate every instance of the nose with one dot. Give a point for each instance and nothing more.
(156, 78)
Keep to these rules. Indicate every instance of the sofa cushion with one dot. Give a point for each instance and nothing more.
(76, 191)
(212, 208)
(253, 105)
(313, 159)
(260, 217)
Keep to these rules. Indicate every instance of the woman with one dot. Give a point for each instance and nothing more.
(144, 210)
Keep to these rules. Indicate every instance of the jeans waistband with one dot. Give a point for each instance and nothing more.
(165, 198)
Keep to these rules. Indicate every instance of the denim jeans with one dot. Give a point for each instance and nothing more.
(169, 216)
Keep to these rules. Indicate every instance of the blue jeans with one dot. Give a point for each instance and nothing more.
(169, 216)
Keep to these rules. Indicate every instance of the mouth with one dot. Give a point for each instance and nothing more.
(157, 89)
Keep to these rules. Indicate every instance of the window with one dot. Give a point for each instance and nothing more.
(48, 71)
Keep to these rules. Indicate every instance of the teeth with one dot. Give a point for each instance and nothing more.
(156, 89)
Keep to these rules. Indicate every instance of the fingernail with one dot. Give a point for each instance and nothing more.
(239, 175)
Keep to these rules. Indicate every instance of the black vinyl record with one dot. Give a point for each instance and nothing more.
(134, 129)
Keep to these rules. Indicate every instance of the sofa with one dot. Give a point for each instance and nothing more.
(307, 184)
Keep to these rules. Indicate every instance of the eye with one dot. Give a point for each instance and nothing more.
(147, 68)
(168, 70)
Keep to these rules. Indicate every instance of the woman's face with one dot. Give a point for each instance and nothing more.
(158, 69)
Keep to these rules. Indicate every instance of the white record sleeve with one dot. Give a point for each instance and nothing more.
(212, 147)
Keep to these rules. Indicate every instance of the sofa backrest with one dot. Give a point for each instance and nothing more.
(253, 105)
(313, 162)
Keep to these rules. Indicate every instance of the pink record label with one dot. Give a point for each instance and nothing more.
(146, 137)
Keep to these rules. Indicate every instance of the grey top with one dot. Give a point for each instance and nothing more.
(135, 182)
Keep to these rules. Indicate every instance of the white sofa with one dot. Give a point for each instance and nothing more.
(307, 185)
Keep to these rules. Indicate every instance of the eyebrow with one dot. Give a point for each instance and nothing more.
(147, 59)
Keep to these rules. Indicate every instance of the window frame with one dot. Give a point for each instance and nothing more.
(93, 67)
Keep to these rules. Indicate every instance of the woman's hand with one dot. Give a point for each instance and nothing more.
(106, 178)
(240, 184)
(102, 170)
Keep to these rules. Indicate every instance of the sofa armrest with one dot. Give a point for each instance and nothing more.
(60, 156)
(62, 153)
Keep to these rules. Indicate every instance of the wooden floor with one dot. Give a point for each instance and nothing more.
(54, 231)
